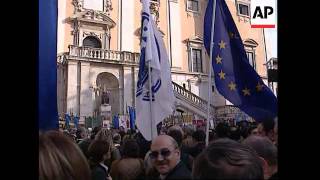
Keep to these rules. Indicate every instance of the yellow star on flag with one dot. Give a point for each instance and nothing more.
(246, 92)
(232, 86)
(222, 44)
(222, 74)
(218, 59)
(259, 87)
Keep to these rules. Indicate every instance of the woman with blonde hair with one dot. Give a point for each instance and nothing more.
(60, 158)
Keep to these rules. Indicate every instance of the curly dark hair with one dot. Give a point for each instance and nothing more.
(130, 149)
(96, 151)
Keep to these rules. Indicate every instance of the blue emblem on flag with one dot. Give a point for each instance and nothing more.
(143, 66)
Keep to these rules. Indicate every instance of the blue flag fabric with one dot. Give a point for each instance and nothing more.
(132, 115)
(235, 79)
(47, 71)
(67, 118)
(115, 121)
(76, 121)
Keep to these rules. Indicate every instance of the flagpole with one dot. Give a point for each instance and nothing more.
(209, 76)
(150, 97)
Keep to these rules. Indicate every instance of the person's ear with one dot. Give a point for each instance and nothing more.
(177, 151)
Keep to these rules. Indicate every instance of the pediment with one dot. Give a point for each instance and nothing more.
(93, 16)
(194, 39)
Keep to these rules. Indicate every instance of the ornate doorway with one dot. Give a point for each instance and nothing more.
(107, 95)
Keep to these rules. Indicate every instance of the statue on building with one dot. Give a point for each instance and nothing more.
(105, 97)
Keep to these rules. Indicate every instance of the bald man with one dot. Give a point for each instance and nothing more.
(165, 157)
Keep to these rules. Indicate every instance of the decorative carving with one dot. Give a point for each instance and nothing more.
(78, 6)
(107, 6)
(154, 10)
(92, 34)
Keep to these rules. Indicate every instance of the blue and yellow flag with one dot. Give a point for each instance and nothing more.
(234, 77)
(47, 65)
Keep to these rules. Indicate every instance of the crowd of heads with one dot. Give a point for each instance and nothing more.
(241, 151)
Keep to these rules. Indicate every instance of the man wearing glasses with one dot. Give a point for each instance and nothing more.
(165, 157)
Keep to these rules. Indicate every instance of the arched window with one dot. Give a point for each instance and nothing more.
(91, 41)
(250, 47)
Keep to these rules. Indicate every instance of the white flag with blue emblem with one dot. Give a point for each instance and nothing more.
(153, 51)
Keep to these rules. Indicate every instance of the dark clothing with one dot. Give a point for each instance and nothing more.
(115, 155)
(196, 149)
(99, 173)
(187, 160)
(84, 145)
(274, 176)
(179, 172)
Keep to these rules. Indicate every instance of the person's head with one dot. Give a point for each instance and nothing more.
(227, 159)
(234, 133)
(165, 154)
(176, 135)
(81, 133)
(199, 136)
(60, 158)
(117, 138)
(188, 131)
(176, 128)
(95, 131)
(266, 150)
(253, 130)
(222, 130)
(98, 151)
(105, 135)
(265, 128)
(130, 149)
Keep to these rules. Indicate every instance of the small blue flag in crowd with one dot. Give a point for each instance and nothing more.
(154, 56)
(68, 119)
(132, 115)
(47, 65)
(234, 77)
(76, 121)
(115, 121)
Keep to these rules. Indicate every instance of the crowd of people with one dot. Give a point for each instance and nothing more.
(241, 151)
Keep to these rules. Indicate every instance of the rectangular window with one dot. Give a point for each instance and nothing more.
(93, 4)
(251, 59)
(196, 60)
(193, 5)
(243, 9)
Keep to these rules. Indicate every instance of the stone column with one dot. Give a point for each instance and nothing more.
(72, 87)
(121, 90)
(128, 81)
(86, 105)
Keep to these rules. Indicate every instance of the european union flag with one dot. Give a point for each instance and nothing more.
(235, 79)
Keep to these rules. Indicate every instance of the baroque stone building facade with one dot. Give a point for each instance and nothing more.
(98, 53)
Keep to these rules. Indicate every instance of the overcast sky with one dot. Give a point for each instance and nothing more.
(271, 35)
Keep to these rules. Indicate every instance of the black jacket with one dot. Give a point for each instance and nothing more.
(179, 172)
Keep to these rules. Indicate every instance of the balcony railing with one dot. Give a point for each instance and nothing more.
(103, 54)
(191, 98)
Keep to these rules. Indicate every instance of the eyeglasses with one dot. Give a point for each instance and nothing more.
(165, 153)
